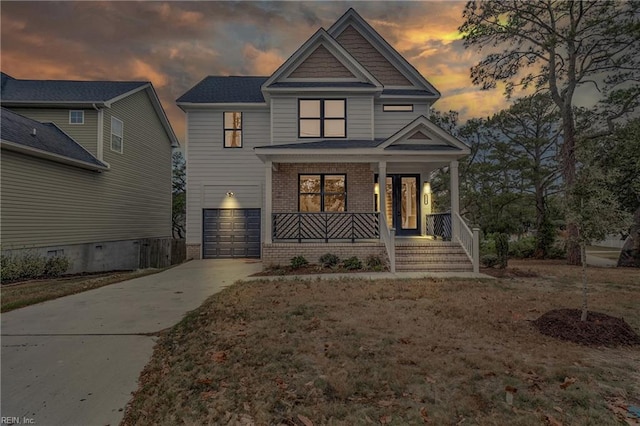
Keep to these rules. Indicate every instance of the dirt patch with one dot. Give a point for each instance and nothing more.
(597, 330)
(509, 272)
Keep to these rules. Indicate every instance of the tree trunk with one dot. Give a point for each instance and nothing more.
(630, 253)
(569, 175)
(583, 255)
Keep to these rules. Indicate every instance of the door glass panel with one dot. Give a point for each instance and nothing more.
(389, 202)
(409, 207)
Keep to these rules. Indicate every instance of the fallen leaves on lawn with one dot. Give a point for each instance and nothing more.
(305, 420)
(568, 381)
(424, 414)
(219, 357)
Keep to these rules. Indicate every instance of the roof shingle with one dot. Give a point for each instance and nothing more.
(215, 89)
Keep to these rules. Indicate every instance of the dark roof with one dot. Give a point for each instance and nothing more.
(15, 90)
(408, 92)
(328, 144)
(302, 84)
(424, 147)
(230, 89)
(49, 138)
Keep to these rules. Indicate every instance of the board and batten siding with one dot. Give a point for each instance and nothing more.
(85, 134)
(213, 170)
(46, 203)
(285, 117)
(388, 123)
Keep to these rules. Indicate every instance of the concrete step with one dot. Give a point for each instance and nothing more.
(436, 267)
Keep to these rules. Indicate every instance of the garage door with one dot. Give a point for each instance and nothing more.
(231, 233)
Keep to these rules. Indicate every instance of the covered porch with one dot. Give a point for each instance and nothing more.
(325, 197)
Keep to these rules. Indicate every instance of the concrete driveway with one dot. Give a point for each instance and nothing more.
(76, 360)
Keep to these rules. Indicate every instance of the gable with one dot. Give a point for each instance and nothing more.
(321, 63)
(423, 135)
(364, 52)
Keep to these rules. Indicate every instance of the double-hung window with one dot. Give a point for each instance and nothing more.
(322, 118)
(233, 130)
(117, 135)
(322, 193)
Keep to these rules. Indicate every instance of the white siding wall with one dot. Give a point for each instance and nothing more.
(388, 123)
(285, 117)
(213, 170)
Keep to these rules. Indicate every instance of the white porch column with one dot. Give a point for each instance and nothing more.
(268, 195)
(382, 189)
(454, 192)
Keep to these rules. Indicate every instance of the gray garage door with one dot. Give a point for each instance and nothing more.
(231, 233)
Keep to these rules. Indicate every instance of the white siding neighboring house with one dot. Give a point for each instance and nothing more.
(86, 170)
(296, 171)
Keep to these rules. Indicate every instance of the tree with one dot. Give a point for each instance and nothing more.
(593, 207)
(525, 140)
(559, 46)
(179, 194)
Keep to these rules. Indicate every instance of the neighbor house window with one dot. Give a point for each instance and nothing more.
(322, 118)
(397, 108)
(322, 193)
(233, 130)
(76, 117)
(117, 135)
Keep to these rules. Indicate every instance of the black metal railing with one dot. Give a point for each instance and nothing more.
(439, 225)
(325, 226)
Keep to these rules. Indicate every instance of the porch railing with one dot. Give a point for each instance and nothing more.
(325, 226)
(468, 239)
(439, 225)
(388, 237)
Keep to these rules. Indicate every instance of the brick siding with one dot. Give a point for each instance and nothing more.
(193, 251)
(281, 253)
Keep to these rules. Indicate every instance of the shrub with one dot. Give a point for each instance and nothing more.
(489, 260)
(28, 265)
(374, 263)
(56, 266)
(352, 263)
(502, 249)
(329, 260)
(298, 262)
(523, 248)
(487, 246)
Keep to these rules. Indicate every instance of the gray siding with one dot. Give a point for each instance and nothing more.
(213, 170)
(48, 203)
(388, 123)
(285, 117)
(321, 64)
(85, 134)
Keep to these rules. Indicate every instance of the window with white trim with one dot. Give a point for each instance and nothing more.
(322, 118)
(397, 108)
(117, 135)
(76, 117)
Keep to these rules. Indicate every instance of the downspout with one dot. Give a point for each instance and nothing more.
(100, 141)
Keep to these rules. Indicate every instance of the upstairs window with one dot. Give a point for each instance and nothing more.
(322, 193)
(322, 118)
(117, 135)
(76, 117)
(233, 130)
(397, 108)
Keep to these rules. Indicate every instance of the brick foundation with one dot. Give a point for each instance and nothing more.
(281, 253)
(193, 251)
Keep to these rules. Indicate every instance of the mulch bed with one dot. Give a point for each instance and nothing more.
(509, 273)
(308, 270)
(598, 330)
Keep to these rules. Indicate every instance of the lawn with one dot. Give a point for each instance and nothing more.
(394, 352)
(19, 295)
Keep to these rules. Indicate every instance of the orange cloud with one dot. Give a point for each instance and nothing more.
(261, 62)
(142, 70)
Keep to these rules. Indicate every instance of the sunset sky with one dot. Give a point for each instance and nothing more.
(176, 44)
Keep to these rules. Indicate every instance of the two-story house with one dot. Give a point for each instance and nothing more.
(290, 164)
(86, 171)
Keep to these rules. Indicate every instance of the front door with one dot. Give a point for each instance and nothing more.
(402, 201)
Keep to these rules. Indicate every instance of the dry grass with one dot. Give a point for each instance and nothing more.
(19, 295)
(396, 352)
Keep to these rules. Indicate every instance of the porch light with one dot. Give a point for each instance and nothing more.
(426, 192)
(230, 194)
(376, 188)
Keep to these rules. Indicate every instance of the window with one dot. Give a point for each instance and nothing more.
(233, 130)
(117, 135)
(322, 193)
(322, 118)
(397, 108)
(76, 117)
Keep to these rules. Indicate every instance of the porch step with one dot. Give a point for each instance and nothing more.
(435, 256)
